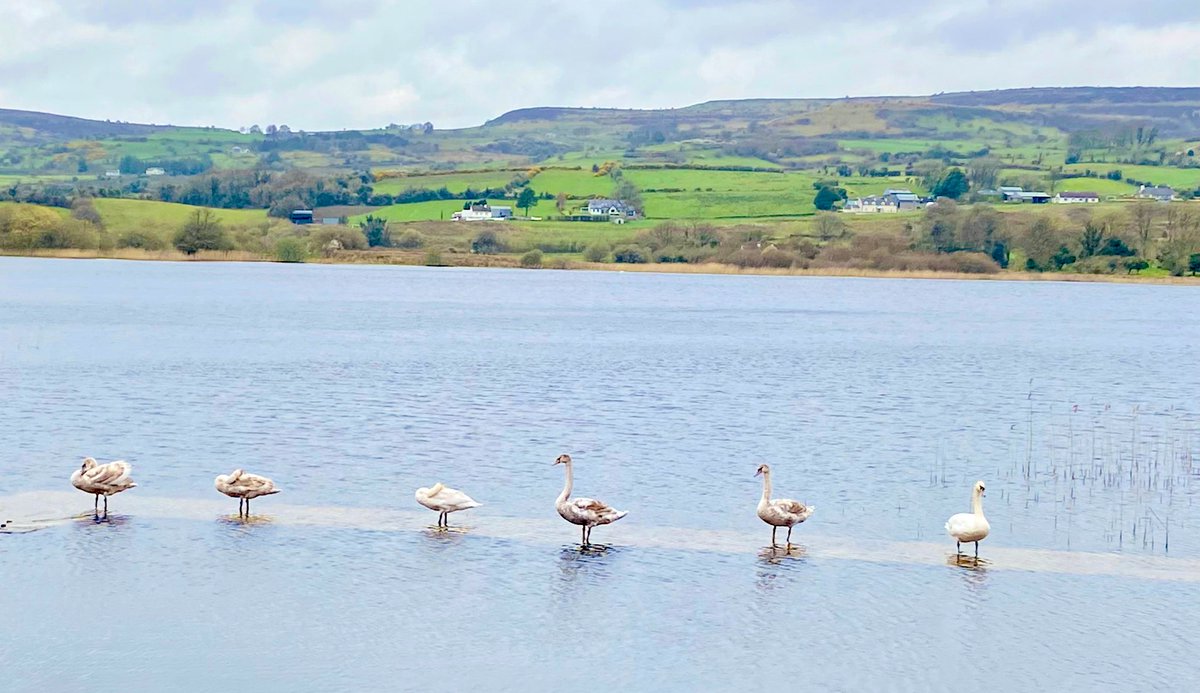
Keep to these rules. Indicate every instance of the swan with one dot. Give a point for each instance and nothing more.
(585, 512)
(972, 526)
(445, 500)
(243, 486)
(102, 480)
(780, 512)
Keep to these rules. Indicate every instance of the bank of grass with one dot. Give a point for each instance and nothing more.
(121, 215)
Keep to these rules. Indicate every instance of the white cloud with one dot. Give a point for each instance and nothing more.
(332, 64)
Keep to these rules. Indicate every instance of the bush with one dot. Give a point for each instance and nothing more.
(487, 243)
(83, 210)
(434, 259)
(375, 229)
(532, 259)
(146, 240)
(630, 254)
(291, 249)
(1135, 264)
(348, 238)
(826, 199)
(202, 231)
(409, 240)
(1116, 247)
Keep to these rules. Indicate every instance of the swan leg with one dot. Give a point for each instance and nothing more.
(976, 550)
(773, 530)
(957, 547)
(789, 539)
(444, 520)
(583, 536)
(106, 506)
(96, 505)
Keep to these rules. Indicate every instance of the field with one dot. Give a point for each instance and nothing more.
(454, 182)
(121, 215)
(1178, 178)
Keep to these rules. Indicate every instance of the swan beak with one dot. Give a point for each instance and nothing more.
(758, 472)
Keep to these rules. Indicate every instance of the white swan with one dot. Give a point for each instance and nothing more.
(972, 526)
(585, 512)
(102, 480)
(445, 500)
(780, 512)
(243, 486)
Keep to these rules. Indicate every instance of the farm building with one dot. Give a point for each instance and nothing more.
(901, 198)
(1156, 192)
(1034, 198)
(1069, 198)
(869, 205)
(301, 216)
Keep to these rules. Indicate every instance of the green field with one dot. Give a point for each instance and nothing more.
(454, 182)
(120, 215)
(1101, 186)
(1178, 178)
(580, 184)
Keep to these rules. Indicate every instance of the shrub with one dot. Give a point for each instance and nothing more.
(83, 210)
(774, 257)
(597, 253)
(1135, 264)
(291, 249)
(487, 243)
(146, 240)
(630, 254)
(532, 259)
(1115, 246)
(376, 231)
(409, 240)
(202, 231)
(348, 237)
(434, 259)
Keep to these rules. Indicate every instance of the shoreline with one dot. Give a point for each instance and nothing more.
(417, 259)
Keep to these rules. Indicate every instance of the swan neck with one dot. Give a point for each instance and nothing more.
(566, 492)
(977, 503)
(766, 486)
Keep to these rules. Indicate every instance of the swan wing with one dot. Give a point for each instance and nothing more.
(112, 474)
(599, 511)
(799, 511)
(454, 498)
(257, 484)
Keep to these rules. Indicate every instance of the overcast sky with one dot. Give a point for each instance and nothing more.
(331, 64)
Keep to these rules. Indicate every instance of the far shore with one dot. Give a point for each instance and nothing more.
(418, 258)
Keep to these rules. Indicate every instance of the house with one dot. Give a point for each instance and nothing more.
(1033, 198)
(155, 171)
(1010, 193)
(610, 208)
(870, 205)
(1156, 192)
(112, 174)
(1069, 198)
(301, 216)
(482, 213)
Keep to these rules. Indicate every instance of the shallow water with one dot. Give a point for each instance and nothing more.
(878, 401)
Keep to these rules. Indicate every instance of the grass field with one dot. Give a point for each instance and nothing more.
(454, 182)
(122, 215)
(581, 183)
(1101, 186)
(1178, 178)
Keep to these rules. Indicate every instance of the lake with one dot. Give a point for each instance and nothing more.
(878, 401)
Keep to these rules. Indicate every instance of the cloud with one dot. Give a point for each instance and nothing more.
(332, 64)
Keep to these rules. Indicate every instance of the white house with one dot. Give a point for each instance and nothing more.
(870, 205)
(610, 208)
(1071, 198)
(112, 174)
(482, 213)
(1156, 192)
(155, 171)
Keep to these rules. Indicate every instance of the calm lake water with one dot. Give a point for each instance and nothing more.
(878, 401)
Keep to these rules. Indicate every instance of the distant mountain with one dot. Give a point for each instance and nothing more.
(786, 132)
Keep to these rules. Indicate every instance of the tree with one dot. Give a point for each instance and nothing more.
(983, 172)
(952, 185)
(1041, 244)
(1091, 238)
(526, 199)
(560, 203)
(627, 192)
(376, 231)
(829, 225)
(255, 130)
(1194, 263)
(826, 199)
(1142, 215)
(980, 230)
(202, 231)
(939, 227)
(271, 130)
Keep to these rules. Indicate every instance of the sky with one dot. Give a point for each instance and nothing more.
(334, 64)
